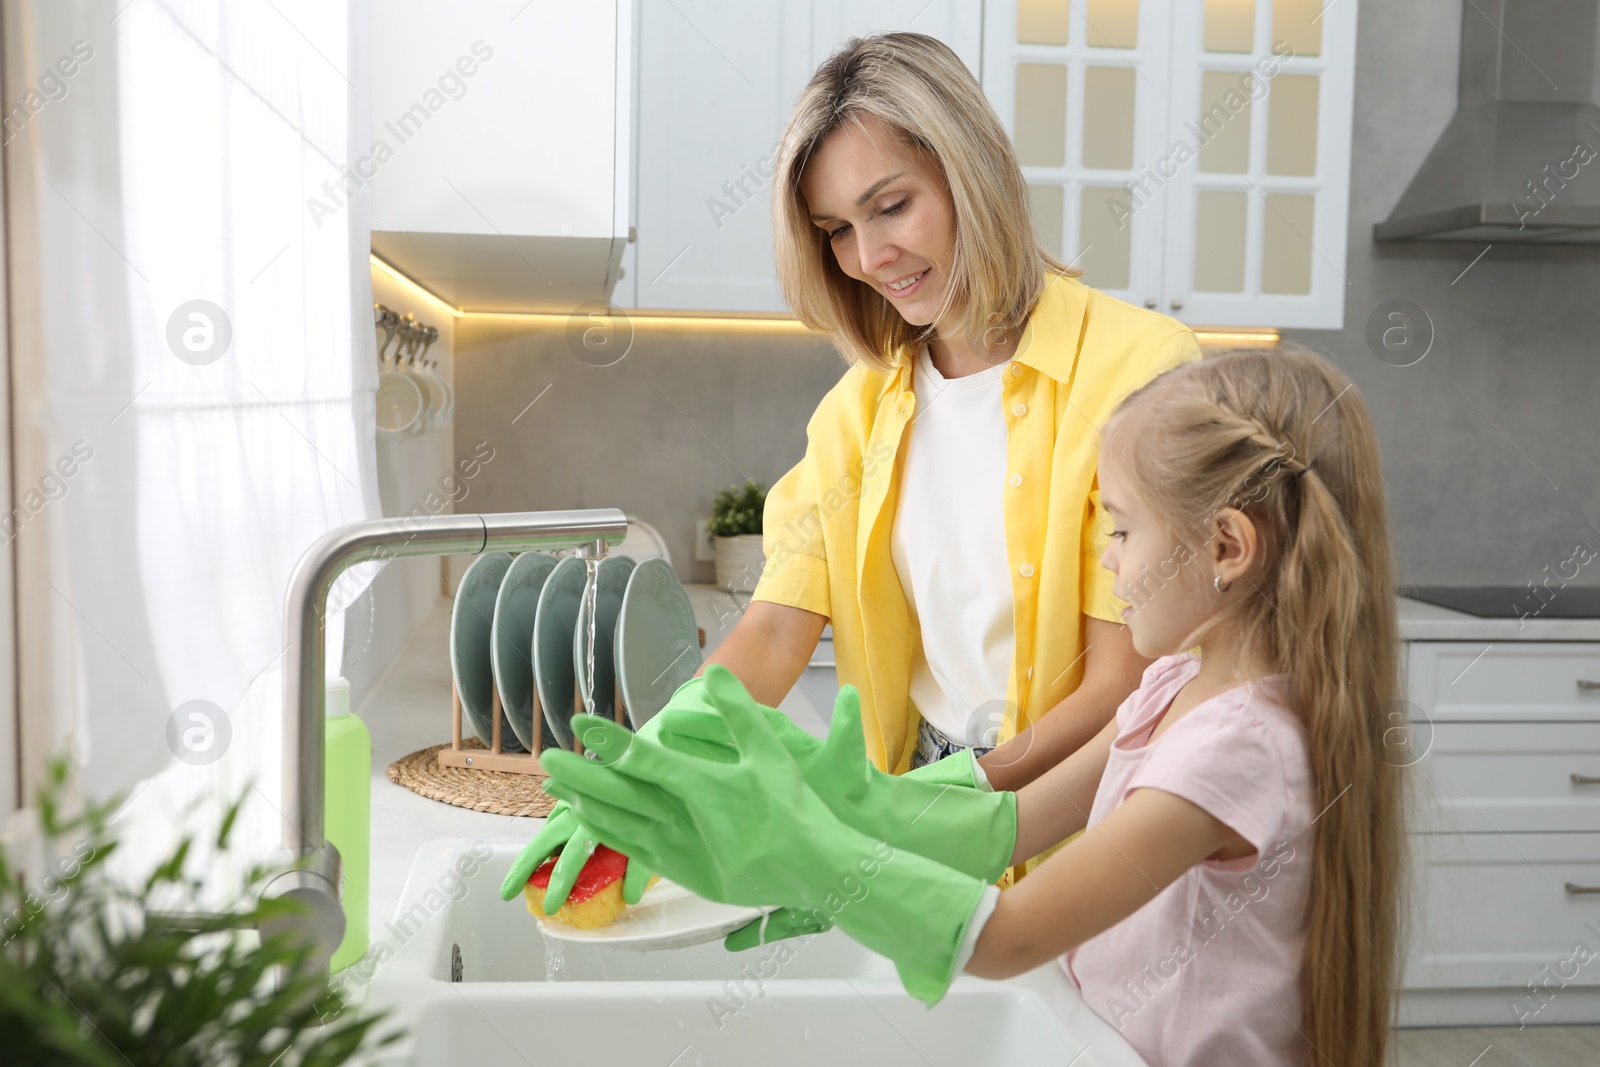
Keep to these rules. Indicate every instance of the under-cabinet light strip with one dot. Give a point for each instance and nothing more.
(701, 320)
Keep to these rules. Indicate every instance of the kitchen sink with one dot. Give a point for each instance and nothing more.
(475, 981)
(794, 1022)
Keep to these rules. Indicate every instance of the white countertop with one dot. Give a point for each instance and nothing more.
(1429, 622)
(718, 611)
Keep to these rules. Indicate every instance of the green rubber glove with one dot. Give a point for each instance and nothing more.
(939, 813)
(565, 833)
(956, 770)
(700, 732)
(752, 832)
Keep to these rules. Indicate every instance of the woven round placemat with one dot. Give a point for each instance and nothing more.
(497, 792)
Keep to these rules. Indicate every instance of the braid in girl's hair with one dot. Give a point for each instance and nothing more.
(1283, 436)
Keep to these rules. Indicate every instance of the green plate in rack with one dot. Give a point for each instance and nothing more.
(658, 645)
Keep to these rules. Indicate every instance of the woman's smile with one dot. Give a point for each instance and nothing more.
(904, 287)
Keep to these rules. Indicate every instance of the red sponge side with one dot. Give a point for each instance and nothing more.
(603, 867)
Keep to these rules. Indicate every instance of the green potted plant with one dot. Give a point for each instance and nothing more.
(736, 531)
(101, 974)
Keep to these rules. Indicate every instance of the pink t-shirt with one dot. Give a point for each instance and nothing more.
(1208, 972)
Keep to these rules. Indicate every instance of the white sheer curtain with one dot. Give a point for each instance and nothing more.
(176, 169)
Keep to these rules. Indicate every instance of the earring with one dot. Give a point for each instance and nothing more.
(1216, 583)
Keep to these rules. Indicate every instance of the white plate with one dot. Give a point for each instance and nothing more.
(668, 916)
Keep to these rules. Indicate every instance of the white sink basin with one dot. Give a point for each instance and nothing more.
(476, 982)
(842, 1022)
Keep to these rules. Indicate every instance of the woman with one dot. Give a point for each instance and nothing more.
(945, 518)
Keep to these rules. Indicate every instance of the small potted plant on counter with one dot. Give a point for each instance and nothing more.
(736, 530)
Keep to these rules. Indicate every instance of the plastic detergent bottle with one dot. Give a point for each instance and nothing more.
(347, 795)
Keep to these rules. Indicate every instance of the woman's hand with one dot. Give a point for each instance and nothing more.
(565, 833)
(753, 832)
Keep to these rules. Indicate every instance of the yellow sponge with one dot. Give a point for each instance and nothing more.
(596, 897)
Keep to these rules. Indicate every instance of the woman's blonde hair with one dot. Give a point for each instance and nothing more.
(1282, 435)
(923, 92)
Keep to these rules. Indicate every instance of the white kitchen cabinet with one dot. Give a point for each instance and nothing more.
(1511, 777)
(717, 80)
(1191, 157)
(1505, 839)
(1084, 98)
(501, 171)
(1492, 910)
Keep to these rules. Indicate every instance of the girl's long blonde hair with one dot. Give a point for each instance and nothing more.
(1283, 436)
(923, 92)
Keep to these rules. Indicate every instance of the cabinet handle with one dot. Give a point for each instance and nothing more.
(1573, 887)
(1177, 305)
(1150, 302)
(831, 663)
(1588, 683)
(1585, 779)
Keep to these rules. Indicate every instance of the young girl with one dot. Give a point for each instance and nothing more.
(1234, 900)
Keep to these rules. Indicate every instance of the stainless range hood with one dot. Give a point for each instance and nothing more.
(1520, 161)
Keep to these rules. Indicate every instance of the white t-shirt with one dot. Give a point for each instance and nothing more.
(949, 548)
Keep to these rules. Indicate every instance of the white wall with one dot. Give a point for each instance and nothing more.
(383, 620)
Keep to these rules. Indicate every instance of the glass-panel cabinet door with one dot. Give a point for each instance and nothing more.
(1081, 86)
(1257, 169)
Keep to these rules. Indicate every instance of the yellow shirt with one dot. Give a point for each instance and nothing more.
(827, 521)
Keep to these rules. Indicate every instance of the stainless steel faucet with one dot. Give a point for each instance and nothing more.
(314, 880)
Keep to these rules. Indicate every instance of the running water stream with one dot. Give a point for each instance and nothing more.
(591, 603)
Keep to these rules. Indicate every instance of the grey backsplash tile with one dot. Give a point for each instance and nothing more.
(686, 413)
(1491, 443)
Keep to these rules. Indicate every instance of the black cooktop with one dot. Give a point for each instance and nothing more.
(1512, 601)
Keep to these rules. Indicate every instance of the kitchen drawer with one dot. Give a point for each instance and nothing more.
(1491, 910)
(1515, 681)
(1500, 777)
